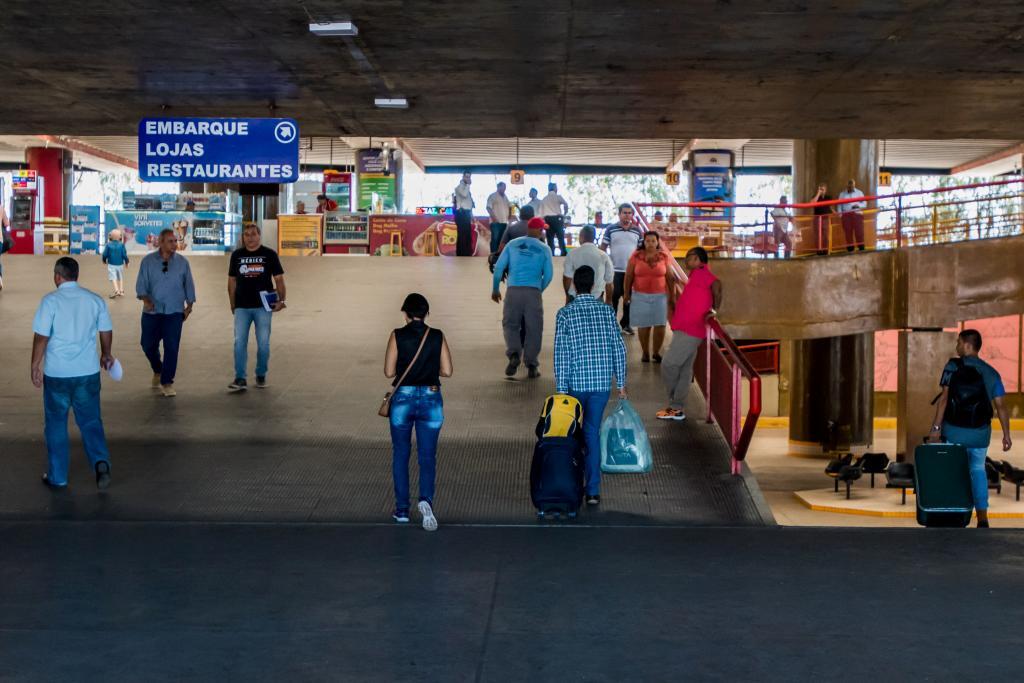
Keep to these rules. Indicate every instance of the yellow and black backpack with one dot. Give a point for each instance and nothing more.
(561, 416)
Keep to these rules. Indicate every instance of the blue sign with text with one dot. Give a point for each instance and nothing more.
(84, 229)
(219, 150)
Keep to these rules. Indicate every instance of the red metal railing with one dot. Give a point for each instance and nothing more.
(719, 369)
(995, 209)
(763, 357)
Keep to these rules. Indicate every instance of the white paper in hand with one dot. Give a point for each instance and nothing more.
(116, 371)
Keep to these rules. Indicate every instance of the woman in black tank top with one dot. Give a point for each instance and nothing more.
(416, 404)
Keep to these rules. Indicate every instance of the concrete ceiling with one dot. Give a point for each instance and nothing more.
(662, 69)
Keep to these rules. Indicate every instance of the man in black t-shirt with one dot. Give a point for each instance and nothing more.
(256, 291)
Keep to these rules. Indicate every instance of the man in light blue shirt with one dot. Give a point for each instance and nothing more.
(167, 291)
(530, 271)
(66, 367)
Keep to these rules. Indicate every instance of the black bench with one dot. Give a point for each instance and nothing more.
(900, 475)
(874, 463)
(836, 464)
(1013, 475)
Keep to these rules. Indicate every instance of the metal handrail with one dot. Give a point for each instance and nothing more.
(737, 432)
(831, 202)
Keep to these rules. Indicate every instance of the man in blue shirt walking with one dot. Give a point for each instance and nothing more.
(588, 353)
(963, 412)
(530, 271)
(65, 366)
(167, 291)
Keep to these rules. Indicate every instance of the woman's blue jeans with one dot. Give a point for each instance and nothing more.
(244, 318)
(61, 394)
(423, 409)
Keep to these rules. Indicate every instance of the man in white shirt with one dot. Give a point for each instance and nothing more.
(534, 202)
(463, 204)
(587, 254)
(620, 241)
(852, 216)
(781, 220)
(553, 208)
(497, 209)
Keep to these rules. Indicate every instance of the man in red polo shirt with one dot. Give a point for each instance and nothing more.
(325, 204)
(698, 303)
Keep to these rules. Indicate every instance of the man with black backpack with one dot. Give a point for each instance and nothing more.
(963, 412)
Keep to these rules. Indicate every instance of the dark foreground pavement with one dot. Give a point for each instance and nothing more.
(146, 602)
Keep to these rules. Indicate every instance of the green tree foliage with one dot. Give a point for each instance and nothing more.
(590, 193)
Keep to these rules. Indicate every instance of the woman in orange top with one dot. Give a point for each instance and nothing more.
(648, 281)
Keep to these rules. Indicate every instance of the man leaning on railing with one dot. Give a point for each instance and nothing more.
(852, 216)
(698, 303)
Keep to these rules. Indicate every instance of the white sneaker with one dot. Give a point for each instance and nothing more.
(429, 520)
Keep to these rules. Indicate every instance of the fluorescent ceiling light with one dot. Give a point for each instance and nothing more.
(391, 102)
(334, 28)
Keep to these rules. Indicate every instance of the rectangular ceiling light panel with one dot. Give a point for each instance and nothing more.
(334, 28)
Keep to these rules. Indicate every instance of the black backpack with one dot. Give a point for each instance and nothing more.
(968, 405)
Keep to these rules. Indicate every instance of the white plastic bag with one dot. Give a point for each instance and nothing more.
(624, 443)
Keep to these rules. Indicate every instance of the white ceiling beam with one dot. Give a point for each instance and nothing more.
(1010, 158)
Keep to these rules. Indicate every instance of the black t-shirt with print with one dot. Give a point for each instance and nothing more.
(254, 271)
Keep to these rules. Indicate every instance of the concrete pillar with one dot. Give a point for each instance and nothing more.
(831, 380)
(834, 162)
(831, 393)
(54, 165)
(921, 358)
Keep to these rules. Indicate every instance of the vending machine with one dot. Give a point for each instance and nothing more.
(26, 210)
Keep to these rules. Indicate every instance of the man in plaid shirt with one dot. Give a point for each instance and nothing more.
(588, 353)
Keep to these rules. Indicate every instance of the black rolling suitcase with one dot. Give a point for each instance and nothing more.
(943, 483)
(556, 473)
(556, 476)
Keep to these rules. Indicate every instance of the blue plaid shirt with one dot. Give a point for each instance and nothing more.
(588, 347)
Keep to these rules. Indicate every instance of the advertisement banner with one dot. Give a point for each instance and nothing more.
(376, 191)
(24, 180)
(298, 234)
(203, 231)
(712, 181)
(218, 150)
(84, 229)
(414, 231)
(130, 201)
(200, 201)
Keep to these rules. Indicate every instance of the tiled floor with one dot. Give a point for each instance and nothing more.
(311, 448)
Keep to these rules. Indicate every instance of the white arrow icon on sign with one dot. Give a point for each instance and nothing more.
(284, 132)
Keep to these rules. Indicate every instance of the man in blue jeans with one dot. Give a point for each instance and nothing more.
(963, 412)
(65, 366)
(254, 272)
(588, 353)
(165, 287)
